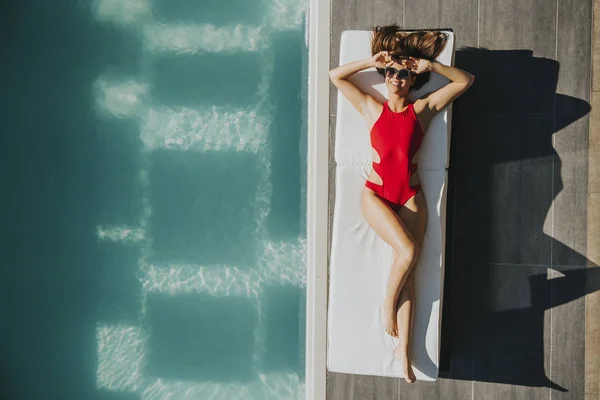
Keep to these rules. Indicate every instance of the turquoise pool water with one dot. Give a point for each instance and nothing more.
(153, 212)
(201, 121)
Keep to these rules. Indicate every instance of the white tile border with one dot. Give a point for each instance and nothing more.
(317, 197)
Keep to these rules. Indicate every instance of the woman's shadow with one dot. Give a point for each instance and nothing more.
(504, 176)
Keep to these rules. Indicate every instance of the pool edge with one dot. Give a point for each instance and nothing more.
(317, 197)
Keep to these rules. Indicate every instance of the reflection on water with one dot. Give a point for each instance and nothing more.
(203, 268)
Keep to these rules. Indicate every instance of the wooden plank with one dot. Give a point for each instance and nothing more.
(510, 350)
(360, 387)
(460, 15)
(518, 24)
(568, 332)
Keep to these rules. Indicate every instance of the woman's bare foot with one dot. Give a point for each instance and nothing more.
(407, 371)
(389, 321)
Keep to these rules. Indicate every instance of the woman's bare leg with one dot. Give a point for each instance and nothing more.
(392, 230)
(405, 319)
(414, 216)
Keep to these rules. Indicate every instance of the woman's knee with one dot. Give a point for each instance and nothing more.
(408, 252)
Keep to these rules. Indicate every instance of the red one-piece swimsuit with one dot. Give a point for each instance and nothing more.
(396, 137)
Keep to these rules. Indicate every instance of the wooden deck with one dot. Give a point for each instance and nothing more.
(520, 234)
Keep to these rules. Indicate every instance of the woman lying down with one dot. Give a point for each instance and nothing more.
(391, 200)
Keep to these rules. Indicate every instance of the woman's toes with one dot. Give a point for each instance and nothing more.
(392, 332)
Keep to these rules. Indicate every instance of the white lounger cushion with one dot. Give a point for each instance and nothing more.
(352, 144)
(360, 265)
(361, 261)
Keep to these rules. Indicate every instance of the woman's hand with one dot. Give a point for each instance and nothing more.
(420, 65)
(381, 59)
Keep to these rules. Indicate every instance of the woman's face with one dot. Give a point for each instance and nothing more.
(395, 84)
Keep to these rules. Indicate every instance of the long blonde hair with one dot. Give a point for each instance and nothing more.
(420, 44)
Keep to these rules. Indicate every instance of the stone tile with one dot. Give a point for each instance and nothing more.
(375, 388)
(457, 323)
(455, 389)
(493, 391)
(569, 220)
(532, 90)
(440, 389)
(574, 107)
(594, 140)
(593, 169)
(596, 47)
(592, 343)
(487, 390)
(331, 205)
(387, 12)
(547, 336)
(332, 128)
(467, 60)
(364, 13)
(568, 332)
(419, 390)
(448, 285)
(512, 322)
(519, 197)
(596, 65)
(518, 24)
(349, 14)
(574, 34)
(461, 15)
(591, 396)
(471, 208)
(360, 387)
(333, 94)
(510, 288)
(338, 24)
(569, 208)
(504, 189)
(593, 228)
(571, 144)
(337, 386)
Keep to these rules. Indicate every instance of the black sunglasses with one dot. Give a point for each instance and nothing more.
(402, 73)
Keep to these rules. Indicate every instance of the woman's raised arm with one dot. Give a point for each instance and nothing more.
(460, 81)
(339, 76)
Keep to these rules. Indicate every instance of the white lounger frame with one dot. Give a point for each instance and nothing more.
(317, 193)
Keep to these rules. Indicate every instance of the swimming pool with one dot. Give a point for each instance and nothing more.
(203, 236)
